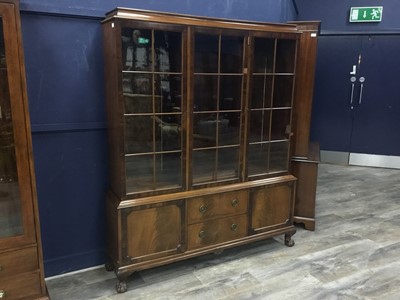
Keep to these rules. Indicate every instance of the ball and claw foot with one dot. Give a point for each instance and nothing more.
(122, 287)
(288, 240)
(109, 267)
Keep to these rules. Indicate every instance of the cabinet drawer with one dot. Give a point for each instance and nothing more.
(215, 206)
(21, 286)
(218, 231)
(19, 261)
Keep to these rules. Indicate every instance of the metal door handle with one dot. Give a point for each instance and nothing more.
(353, 80)
(361, 92)
(352, 95)
(362, 80)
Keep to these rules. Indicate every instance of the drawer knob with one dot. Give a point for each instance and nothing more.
(2, 294)
(202, 234)
(202, 209)
(235, 202)
(234, 227)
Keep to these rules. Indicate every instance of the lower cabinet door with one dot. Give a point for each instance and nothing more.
(21, 286)
(218, 231)
(272, 206)
(151, 232)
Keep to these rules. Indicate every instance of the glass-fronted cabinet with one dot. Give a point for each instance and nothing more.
(199, 127)
(21, 266)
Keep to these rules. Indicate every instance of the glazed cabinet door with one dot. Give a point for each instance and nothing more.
(152, 105)
(270, 104)
(16, 207)
(152, 232)
(218, 82)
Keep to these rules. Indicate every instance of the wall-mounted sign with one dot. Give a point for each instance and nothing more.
(366, 14)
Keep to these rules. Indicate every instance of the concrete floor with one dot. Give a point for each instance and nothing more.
(354, 253)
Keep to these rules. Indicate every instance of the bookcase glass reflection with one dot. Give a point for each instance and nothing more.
(10, 204)
(217, 105)
(152, 89)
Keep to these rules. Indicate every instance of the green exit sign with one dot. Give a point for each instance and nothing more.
(366, 14)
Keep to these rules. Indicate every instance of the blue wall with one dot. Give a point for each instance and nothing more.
(64, 65)
(335, 14)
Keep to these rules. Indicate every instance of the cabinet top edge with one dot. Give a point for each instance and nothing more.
(185, 19)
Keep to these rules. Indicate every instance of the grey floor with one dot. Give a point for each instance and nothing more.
(354, 253)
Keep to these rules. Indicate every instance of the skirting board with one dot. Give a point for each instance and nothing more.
(360, 159)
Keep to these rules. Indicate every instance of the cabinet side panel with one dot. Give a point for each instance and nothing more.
(304, 87)
(114, 110)
(112, 229)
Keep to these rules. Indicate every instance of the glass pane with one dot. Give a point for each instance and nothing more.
(138, 134)
(231, 54)
(258, 159)
(283, 91)
(205, 130)
(229, 129)
(136, 49)
(279, 157)
(261, 91)
(168, 91)
(206, 53)
(204, 169)
(10, 203)
(139, 173)
(168, 132)
(205, 93)
(148, 172)
(259, 126)
(137, 83)
(168, 48)
(228, 163)
(285, 56)
(280, 127)
(230, 92)
(263, 55)
(168, 170)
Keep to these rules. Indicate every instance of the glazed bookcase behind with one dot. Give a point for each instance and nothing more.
(199, 114)
(21, 263)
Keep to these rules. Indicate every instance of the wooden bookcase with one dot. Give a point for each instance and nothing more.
(200, 126)
(21, 263)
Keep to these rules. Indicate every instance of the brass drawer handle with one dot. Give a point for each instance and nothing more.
(2, 294)
(235, 202)
(202, 234)
(234, 227)
(202, 209)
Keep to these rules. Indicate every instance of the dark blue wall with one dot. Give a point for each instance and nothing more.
(64, 65)
(335, 14)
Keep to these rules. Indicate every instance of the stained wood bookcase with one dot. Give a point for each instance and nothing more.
(199, 120)
(21, 263)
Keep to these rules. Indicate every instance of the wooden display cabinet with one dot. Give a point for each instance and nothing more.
(199, 119)
(21, 264)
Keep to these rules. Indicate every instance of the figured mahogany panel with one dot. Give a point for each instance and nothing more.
(153, 230)
(271, 206)
(218, 231)
(203, 208)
